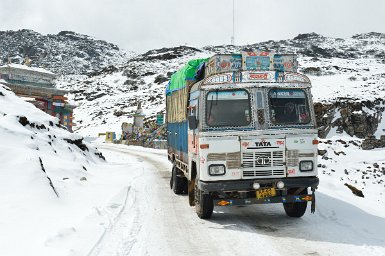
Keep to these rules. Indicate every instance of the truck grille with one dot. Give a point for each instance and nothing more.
(262, 159)
(263, 173)
(263, 164)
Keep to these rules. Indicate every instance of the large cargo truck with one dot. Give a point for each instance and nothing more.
(241, 130)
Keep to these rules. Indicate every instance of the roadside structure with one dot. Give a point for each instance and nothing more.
(139, 117)
(37, 85)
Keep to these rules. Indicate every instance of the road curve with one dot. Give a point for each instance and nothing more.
(155, 221)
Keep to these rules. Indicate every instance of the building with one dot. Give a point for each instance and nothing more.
(37, 84)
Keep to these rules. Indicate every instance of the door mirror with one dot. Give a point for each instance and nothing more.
(192, 122)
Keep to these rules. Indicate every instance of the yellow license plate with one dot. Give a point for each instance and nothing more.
(266, 192)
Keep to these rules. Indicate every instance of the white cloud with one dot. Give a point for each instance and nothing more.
(143, 24)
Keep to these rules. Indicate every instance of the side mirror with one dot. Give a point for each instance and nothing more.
(192, 122)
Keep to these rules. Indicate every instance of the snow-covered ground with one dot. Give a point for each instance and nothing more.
(127, 208)
(360, 79)
(58, 197)
(44, 169)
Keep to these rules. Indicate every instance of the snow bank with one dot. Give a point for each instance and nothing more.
(41, 164)
(343, 164)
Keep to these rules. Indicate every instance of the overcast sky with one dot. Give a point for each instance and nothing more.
(141, 25)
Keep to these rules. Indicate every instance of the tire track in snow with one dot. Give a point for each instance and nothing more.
(95, 248)
(181, 229)
(108, 234)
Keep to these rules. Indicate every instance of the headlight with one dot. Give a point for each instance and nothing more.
(217, 169)
(306, 166)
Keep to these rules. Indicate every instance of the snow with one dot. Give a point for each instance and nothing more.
(345, 162)
(381, 126)
(135, 213)
(369, 83)
(41, 176)
(35, 69)
(124, 206)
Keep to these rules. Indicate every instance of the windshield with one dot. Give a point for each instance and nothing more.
(289, 107)
(228, 108)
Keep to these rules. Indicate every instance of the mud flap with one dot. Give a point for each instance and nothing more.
(191, 192)
(313, 203)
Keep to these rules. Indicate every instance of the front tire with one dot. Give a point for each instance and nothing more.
(296, 210)
(204, 205)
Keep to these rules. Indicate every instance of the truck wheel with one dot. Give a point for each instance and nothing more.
(204, 205)
(296, 210)
(179, 184)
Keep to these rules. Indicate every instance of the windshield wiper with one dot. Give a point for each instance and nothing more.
(211, 103)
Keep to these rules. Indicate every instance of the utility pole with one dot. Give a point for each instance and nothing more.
(233, 37)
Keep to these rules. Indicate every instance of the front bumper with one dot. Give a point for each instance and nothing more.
(247, 185)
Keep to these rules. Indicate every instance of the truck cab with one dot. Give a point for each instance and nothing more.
(251, 136)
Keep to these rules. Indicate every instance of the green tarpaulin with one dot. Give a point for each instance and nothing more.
(179, 78)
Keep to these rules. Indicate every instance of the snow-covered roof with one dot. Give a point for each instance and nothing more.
(19, 66)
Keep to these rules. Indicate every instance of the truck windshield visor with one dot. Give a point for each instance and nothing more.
(228, 108)
(289, 107)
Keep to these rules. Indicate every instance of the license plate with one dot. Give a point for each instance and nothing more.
(266, 192)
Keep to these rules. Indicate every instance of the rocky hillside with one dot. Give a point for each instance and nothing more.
(368, 45)
(65, 53)
(109, 97)
(347, 75)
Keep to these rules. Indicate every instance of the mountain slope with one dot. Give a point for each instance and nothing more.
(106, 99)
(341, 70)
(65, 53)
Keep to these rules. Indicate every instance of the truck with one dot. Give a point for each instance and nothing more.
(241, 130)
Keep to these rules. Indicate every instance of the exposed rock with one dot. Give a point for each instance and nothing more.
(100, 155)
(23, 120)
(49, 179)
(322, 152)
(167, 53)
(355, 190)
(371, 142)
(78, 143)
(307, 36)
(353, 119)
(107, 70)
(160, 79)
(315, 71)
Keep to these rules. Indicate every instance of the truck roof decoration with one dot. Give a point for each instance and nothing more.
(255, 66)
(257, 76)
(255, 61)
